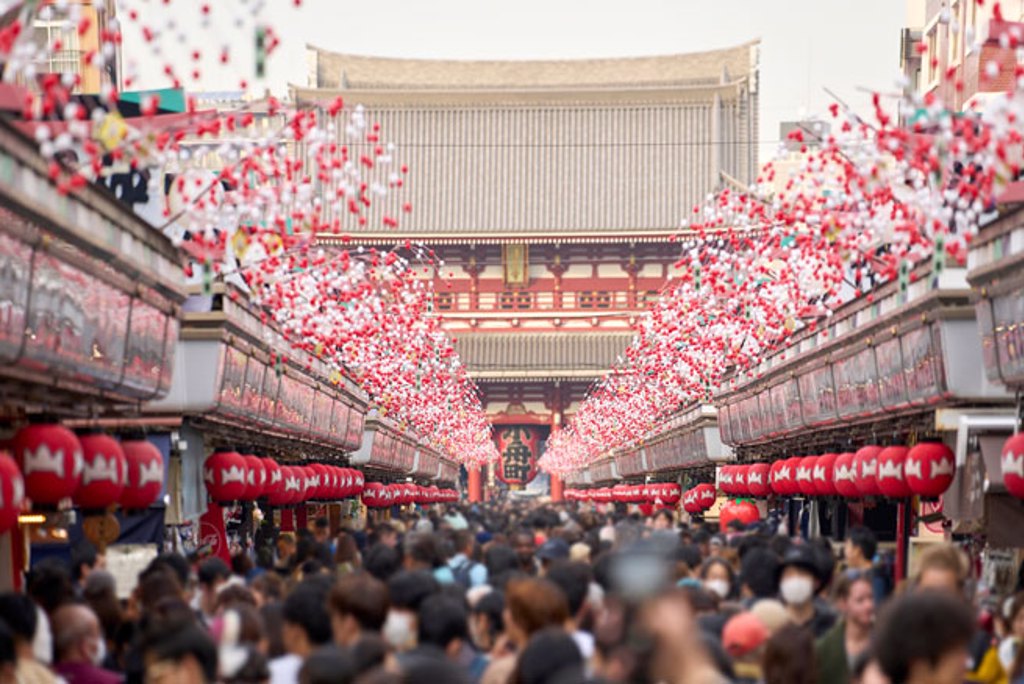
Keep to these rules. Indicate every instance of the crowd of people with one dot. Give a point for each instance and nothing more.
(515, 593)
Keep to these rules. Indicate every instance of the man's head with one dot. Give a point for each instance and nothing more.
(307, 622)
(408, 591)
(77, 636)
(18, 611)
(800, 579)
(212, 574)
(321, 530)
(924, 637)
(759, 573)
(574, 581)
(8, 655)
(179, 653)
(84, 559)
(525, 546)
(942, 567)
(359, 603)
(464, 543)
(387, 535)
(443, 623)
(663, 520)
(382, 561)
(860, 548)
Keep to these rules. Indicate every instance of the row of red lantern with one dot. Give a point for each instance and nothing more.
(667, 493)
(231, 476)
(926, 469)
(699, 499)
(378, 495)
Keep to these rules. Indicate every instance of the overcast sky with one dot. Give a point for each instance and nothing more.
(805, 44)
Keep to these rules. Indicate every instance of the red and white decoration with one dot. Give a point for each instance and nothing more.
(12, 493)
(145, 474)
(50, 459)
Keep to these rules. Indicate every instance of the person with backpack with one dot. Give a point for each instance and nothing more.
(467, 571)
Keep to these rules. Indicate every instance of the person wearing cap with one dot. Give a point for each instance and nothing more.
(554, 549)
(743, 638)
(799, 582)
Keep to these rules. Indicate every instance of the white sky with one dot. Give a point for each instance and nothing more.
(805, 44)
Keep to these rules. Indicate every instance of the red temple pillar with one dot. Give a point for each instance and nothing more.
(557, 488)
(476, 493)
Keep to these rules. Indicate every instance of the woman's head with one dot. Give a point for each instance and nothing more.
(718, 577)
(854, 597)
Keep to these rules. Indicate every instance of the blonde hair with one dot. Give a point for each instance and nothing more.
(943, 557)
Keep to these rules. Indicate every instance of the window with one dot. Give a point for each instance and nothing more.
(444, 301)
(515, 300)
(931, 57)
(50, 30)
(594, 300)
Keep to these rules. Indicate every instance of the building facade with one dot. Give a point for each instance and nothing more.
(552, 191)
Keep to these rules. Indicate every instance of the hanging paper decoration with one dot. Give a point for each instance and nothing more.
(758, 480)
(517, 449)
(824, 475)
(104, 472)
(50, 458)
(145, 474)
(12, 493)
(1012, 462)
(865, 463)
(846, 475)
(929, 468)
(891, 480)
(226, 475)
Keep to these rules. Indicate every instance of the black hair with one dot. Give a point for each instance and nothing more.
(371, 651)
(432, 670)
(574, 581)
(864, 539)
(424, 549)
(211, 570)
(408, 589)
(83, 553)
(382, 561)
(923, 625)
(49, 584)
(442, 620)
(500, 558)
(306, 608)
(18, 611)
(688, 554)
(178, 640)
(551, 655)
(328, 665)
(176, 563)
(759, 572)
(603, 570)
(322, 522)
(8, 654)
(493, 606)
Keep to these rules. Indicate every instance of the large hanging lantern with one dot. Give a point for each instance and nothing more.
(725, 479)
(373, 494)
(866, 476)
(846, 476)
(104, 472)
(256, 478)
(891, 480)
(274, 477)
(929, 468)
(50, 458)
(690, 503)
(12, 493)
(1012, 462)
(671, 492)
(803, 478)
(824, 475)
(706, 496)
(227, 476)
(758, 480)
(739, 481)
(145, 474)
(782, 481)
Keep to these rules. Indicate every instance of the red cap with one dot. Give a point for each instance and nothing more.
(743, 633)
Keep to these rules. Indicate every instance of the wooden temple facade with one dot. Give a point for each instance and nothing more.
(552, 191)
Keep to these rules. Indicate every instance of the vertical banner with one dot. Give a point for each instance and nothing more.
(212, 532)
(517, 448)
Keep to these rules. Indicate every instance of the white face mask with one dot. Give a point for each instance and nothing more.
(718, 587)
(398, 631)
(796, 590)
(100, 654)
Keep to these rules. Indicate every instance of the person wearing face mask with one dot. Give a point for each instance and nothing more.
(799, 582)
(80, 646)
(717, 577)
(850, 638)
(408, 590)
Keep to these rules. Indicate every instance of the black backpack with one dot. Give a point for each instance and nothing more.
(461, 573)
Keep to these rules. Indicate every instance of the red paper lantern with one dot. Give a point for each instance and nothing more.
(803, 476)
(929, 468)
(50, 458)
(739, 480)
(322, 481)
(891, 480)
(227, 476)
(846, 475)
(256, 478)
(359, 481)
(12, 493)
(104, 472)
(794, 465)
(782, 478)
(145, 474)
(706, 496)
(744, 511)
(824, 475)
(671, 493)
(725, 479)
(1012, 462)
(372, 494)
(294, 485)
(866, 477)
(690, 503)
(758, 480)
(274, 481)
